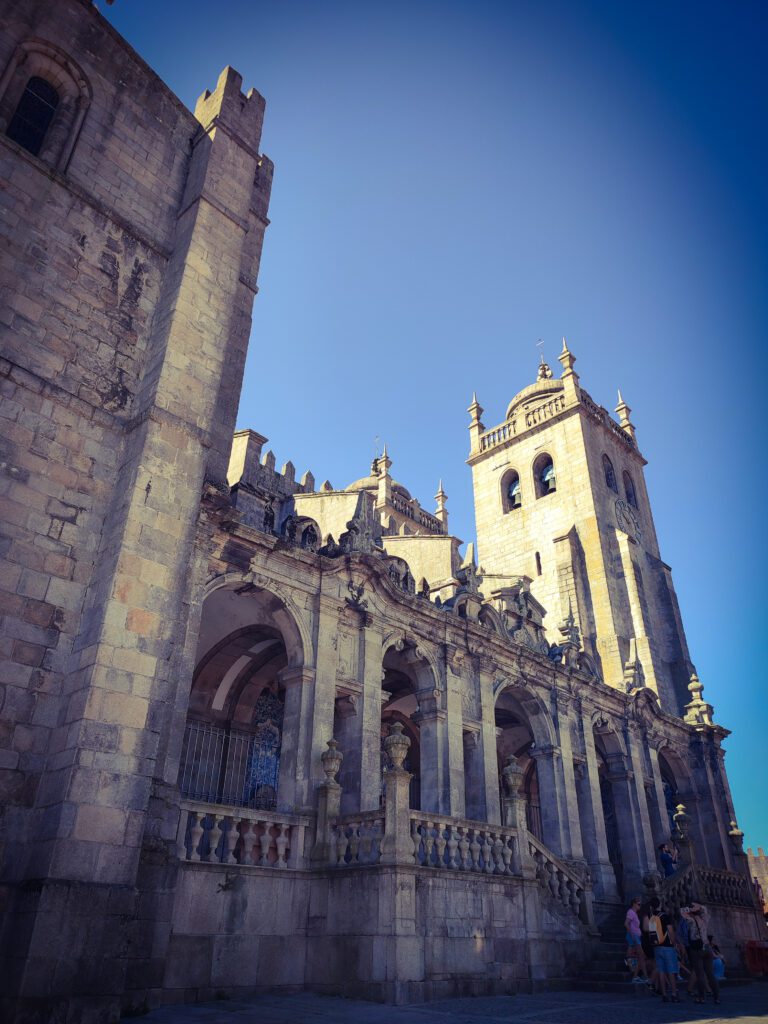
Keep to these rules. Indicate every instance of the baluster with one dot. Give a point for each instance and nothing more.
(181, 835)
(487, 840)
(440, 845)
(552, 872)
(366, 842)
(576, 895)
(463, 850)
(565, 896)
(474, 851)
(196, 833)
(499, 865)
(333, 844)
(429, 843)
(282, 845)
(354, 842)
(507, 854)
(541, 873)
(416, 837)
(248, 835)
(265, 841)
(230, 842)
(215, 836)
(342, 846)
(453, 845)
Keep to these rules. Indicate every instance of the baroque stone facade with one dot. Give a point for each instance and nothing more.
(258, 734)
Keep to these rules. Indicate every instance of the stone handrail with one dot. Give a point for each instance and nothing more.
(457, 845)
(562, 882)
(240, 836)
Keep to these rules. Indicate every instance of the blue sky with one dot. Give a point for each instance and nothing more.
(456, 180)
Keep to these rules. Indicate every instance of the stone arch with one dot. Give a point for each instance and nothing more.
(42, 59)
(488, 616)
(290, 619)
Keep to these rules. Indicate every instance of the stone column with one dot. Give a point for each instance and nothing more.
(293, 786)
(487, 754)
(571, 803)
(397, 845)
(660, 821)
(646, 846)
(632, 843)
(370, 719)
(552, 798)
(593, 821)
(458, 797)
(326, 664)
(431, 719)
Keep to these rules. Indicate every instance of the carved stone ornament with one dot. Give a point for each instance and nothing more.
(396, 745)
(331, 759)
(512, 776)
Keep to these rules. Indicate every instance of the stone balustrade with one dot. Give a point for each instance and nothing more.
(240, 837)
(713, 886)
(562, 882)
(356, 839)
(441, 842)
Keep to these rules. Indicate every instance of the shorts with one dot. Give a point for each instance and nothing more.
(633, 940)
(666, 960)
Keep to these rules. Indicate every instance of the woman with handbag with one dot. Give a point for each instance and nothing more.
(700, 952)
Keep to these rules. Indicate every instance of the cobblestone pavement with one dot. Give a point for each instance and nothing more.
(747, 1005)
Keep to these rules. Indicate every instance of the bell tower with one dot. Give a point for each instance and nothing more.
(560, 497)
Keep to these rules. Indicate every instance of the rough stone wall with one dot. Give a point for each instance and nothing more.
(82, 255)
(390, 934)
(127, 278)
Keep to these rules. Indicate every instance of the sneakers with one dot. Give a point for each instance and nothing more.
(638, 981)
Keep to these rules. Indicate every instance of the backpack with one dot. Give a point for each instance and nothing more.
(657, 931)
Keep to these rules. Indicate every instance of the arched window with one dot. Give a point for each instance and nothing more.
(511, 496)
(34, 113)
(610, 476)
(629, 490)
(544, 475)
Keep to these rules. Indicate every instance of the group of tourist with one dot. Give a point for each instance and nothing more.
(664, 949)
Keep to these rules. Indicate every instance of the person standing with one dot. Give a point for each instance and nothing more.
(667, 964)
(635, 956)
(668, 859)
(700, 952)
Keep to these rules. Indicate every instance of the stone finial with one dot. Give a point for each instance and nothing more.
(396, 745)
(268, 462)
(384, 490)
(475, 410)
(682, 821)
(326, 486)
(697, 712)
(567, 359)
(736, 837)
(441, 512)
(308, 481)
(331, 759)
(512, 775)
(623, 411)
(289, 472)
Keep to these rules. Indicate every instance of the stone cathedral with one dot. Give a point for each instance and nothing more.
(260, 734)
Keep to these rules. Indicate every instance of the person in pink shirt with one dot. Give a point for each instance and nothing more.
(635, 956)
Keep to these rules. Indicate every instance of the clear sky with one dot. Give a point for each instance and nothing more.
(455, 180)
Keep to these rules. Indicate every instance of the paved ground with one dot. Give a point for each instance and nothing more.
(747, 1005)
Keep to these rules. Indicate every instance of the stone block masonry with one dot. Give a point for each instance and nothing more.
(127, 278)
